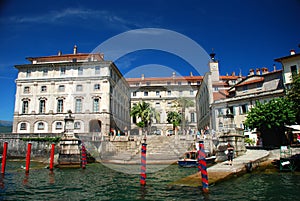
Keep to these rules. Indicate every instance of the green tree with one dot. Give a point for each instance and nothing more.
(270, 118)
(182, 103)
(145, 113)
(293, 94)
(174, 118)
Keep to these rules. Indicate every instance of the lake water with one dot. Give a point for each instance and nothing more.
(97, 182)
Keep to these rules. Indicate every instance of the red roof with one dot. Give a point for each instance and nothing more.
(259, 79)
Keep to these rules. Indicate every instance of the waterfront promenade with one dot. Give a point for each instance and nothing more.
(222, 171)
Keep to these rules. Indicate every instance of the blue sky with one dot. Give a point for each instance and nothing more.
(244, 34)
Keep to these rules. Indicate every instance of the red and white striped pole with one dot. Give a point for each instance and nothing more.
(143, 164)
(28, 157)
(83, 156)
(202, 166)
(52, 157)
(4, 154)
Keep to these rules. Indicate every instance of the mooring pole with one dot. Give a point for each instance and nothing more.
(4, 154)
(28, 157)
(52, 156)
(202, 166)
(83, 156)
(143, 164)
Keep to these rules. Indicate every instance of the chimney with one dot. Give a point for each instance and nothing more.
(251, 72)
(292, 52)
(264, 70)
(191, 74)
(233, 73)
(173, 74)
(59, 53)
(257, 71)
(75, 49)
(143, 76)
(274, 67)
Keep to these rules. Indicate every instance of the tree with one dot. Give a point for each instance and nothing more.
(183, 103)
(143, 111)
(174, 118)
(293, 94)
(270, 118)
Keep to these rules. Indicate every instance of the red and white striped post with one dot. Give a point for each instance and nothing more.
(202, 166)
(28, 157)
(83, 156)
(143, 164)
(52, 156)
(4, 154)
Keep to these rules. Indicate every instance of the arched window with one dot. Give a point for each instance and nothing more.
(77, 125)
(23, 126)
(41, 126)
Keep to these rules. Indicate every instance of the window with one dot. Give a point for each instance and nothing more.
(294, 70)
(96, 87)
(243, 109)
(60, 105)
(198, 82)
(78, 105)
(148, 83)
(25, 107)
(43, 88)
(189, 83)
(169, 104)
(26, 90)
(134, 93)
(41, 126)
(61, 88)
(79, 87)
(62, 70)
(216, 88)
(23, 126)
(191, 92)
(169, 93)
(45, 72)
(77, 125)
(42, 107)
(74, 60)
(259, 85)
(96, 105)
(245, 88)
(179, 83)
(168, 83)
(137, 84)
(145, 93)
(97, 70)
(192, 117)
(157, 104)
(157, 93)
(80, 70)
(28, 73)
(58, 125)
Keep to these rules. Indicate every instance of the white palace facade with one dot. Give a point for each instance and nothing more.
(91, 88)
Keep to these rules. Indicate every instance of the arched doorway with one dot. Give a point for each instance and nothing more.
(95, 125)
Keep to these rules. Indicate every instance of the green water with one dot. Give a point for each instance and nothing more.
(97, 182)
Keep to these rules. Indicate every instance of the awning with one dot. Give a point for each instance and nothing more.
(295, 127)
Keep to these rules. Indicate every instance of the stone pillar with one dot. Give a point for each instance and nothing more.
(69, 153)
(236, 140)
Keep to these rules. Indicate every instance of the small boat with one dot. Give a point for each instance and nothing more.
(190, 159)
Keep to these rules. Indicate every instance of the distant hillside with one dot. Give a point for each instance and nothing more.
(5, 126)
(5, 123)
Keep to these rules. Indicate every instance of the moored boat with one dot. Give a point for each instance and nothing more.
(190, 159)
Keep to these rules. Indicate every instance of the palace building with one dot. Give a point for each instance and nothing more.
(50, 87)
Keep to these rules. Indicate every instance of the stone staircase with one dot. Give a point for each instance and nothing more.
(160, 149)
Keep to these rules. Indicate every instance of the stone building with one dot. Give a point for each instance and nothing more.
(291, 66)
(92, 88)
(229, 113)
(163, 92)
(214, 87)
